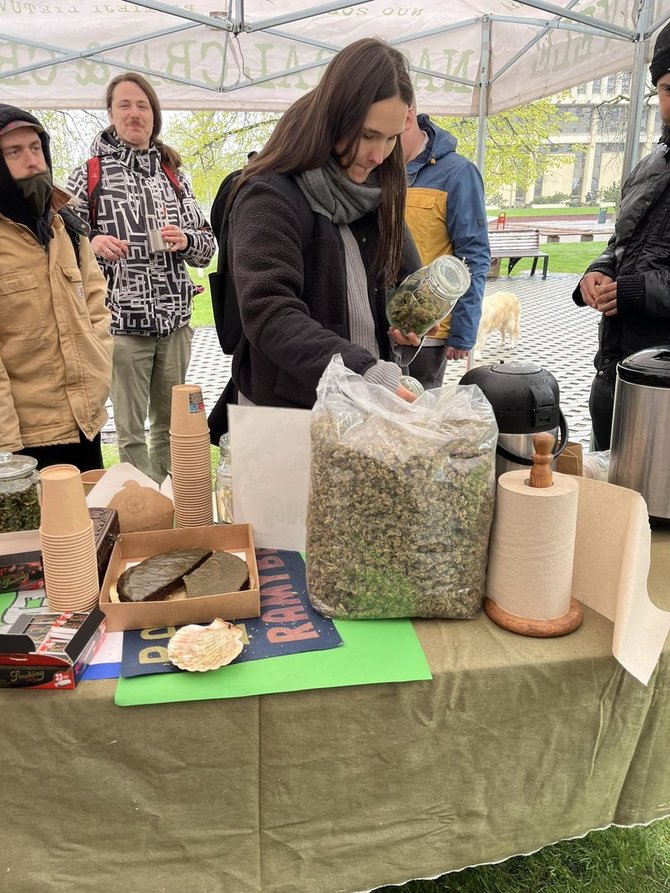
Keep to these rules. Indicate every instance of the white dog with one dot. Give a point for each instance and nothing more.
(500, 311)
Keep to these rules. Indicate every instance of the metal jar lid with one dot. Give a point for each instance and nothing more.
(649, 367)
(12, 466)
(448, 277)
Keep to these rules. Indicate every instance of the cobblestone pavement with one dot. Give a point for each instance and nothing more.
(555, 333)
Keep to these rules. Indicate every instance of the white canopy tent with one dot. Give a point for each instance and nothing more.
(468, 57)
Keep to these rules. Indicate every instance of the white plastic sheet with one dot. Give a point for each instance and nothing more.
(62, 54)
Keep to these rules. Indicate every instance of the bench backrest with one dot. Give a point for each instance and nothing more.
(514, 240)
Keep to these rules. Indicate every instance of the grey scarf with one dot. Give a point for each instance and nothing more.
(331, 193)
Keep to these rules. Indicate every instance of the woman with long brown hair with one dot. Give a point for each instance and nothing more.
(316, 234)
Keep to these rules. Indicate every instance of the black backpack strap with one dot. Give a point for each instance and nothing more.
(75, 228)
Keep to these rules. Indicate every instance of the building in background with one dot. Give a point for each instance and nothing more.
(591, 146)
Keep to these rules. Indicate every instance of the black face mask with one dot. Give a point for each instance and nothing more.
(36, 190)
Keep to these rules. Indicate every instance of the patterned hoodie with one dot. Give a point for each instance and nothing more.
(150, 293)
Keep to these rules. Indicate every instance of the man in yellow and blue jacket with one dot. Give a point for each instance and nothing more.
(446, 214)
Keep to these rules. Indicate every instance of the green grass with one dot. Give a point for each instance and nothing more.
(202, 304)
(618, 860)
(548, 211)
(566, 257)
(110, 456)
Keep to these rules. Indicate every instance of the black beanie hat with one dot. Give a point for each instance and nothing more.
(660, 61)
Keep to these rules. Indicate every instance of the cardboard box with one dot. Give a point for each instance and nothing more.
(24, 662)
(105, 529)
(130, 548)
(570, 461)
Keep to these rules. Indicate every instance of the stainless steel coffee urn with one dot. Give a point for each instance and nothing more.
(525, 400)
(640, 447)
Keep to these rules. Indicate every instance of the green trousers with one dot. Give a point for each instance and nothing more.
(145, 368)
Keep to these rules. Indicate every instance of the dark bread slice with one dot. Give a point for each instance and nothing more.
(222, 572)
(157, 577)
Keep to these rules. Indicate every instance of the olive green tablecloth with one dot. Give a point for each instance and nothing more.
(515, 743)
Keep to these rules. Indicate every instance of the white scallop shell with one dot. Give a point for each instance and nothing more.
(203, 648)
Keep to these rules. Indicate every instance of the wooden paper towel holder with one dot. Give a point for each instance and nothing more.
(540, 476)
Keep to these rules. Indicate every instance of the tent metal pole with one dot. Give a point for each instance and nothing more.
(484, 82)
(631, 153)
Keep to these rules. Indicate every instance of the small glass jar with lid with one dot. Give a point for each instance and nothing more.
(224, 483)
(19, 493)
(428, 296)
(412, 385)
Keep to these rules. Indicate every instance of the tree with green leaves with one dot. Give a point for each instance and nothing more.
(517, 143)
(71, 133)
(212, 144)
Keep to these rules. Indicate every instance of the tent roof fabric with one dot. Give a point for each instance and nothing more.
(261, 55)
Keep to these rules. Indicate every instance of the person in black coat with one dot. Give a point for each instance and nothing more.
(629, 284)
(316, 235)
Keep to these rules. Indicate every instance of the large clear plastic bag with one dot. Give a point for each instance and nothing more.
(401, 499)
(596, 465)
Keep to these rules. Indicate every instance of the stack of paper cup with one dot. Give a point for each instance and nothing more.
(68, 541)
(191, 458)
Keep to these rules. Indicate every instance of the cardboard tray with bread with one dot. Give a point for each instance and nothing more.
(182, 603)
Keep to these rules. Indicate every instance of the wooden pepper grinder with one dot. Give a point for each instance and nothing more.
(541, 476)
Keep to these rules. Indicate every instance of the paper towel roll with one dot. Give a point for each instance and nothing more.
(531, 554)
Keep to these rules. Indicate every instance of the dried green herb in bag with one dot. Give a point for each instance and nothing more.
(401, 500)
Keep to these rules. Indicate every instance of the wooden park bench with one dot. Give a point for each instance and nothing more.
(515, 244)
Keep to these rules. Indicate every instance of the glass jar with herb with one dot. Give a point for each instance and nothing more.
(428, 295)
(224, 483)
(19, 493)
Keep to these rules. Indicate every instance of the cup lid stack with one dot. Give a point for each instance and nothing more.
(190, 458)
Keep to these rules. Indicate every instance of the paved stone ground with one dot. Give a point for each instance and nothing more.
(555, 333)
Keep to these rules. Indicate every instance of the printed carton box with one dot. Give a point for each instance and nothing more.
(49, 651)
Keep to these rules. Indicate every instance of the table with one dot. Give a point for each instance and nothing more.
(516, 743)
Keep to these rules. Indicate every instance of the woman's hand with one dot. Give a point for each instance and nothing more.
(176, 239)
(405, 394)
(109, 248)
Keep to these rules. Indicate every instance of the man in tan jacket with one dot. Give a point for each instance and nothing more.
(55, 346)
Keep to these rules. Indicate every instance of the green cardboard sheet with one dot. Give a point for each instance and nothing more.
(373, 651)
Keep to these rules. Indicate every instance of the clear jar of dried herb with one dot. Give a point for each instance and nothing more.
(19, 493)
(224, 483)
(427, 296)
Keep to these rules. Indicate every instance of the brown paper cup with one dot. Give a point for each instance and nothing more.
(63, 504)
(187, 417)
(90, 478)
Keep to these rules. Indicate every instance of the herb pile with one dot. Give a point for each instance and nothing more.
(414, 307)
(399, 513)
(19, 504)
